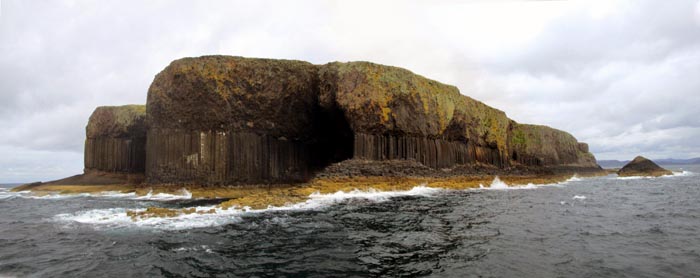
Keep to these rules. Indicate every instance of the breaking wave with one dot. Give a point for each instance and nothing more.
(674, 175)
(182, 195)
(5, 194)
(117, 217)
(498, 184)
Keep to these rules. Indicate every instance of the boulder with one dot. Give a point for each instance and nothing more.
(641, 166)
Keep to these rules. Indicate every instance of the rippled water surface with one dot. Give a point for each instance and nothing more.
(592, 227)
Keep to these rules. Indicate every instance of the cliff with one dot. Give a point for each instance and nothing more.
(228, 120)
(116, 139)
(641, 166)
(538, 145)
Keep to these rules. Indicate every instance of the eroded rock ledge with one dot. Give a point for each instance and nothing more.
(222, 120)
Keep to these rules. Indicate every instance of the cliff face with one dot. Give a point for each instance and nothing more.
(116, 139)
(396, 114)
(222, 120)
(537, 145)
(219, 119)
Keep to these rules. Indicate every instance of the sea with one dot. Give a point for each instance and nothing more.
(584, 227)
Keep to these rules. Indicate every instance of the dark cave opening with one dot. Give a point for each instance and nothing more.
(334, 140)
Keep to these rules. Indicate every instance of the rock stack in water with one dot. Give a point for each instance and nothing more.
(232, 120)
(641, 166)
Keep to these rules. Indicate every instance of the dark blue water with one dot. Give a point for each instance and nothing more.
(595, 227)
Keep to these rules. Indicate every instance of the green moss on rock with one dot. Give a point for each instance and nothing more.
(117, 121)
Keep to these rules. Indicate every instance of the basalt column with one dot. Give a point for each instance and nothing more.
(229, 120)
(396, 114)
(536, 145)
(116, 139)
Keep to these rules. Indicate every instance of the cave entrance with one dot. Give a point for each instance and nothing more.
(334, 140)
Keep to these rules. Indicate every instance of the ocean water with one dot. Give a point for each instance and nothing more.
(584, 227)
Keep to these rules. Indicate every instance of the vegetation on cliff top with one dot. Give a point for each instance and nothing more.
(117, 121)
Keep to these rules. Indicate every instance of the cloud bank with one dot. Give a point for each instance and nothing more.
(620, 75)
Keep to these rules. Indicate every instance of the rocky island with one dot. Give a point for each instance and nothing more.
(216, 122)
(641, 166)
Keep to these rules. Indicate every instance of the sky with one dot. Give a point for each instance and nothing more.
(623, 76)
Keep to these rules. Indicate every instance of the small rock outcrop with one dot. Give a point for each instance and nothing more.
(641, 166)
(116, 139)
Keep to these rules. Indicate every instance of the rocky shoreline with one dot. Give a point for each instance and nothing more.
(235, 126)
(260, 196)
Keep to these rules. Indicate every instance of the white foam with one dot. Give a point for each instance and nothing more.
(673, 175)
(115, 194)
(679, 174)
(32, 195)
(579, 197)
(116, 217)
(184, 194)
(56, 196)
(498, 184)
(574, 178)
(632, 178)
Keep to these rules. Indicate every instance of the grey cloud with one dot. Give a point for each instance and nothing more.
(625, 82)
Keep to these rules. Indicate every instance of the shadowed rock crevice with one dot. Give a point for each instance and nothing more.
(334, 138)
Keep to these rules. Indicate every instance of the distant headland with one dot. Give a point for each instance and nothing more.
(223, 120)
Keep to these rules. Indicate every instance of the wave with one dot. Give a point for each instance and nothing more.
(208, 216)
(6, 195)
(680, 174)
(674, 174)
(498, 184)
(183, 194)
(117, 217)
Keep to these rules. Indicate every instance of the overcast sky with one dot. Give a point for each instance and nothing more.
(623, 76)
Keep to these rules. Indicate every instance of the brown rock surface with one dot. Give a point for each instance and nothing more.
(641, 166)
(116, 139)
(537, 145)
(225, 120)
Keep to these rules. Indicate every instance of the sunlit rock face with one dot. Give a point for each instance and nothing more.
(116, 139)
(232, 120)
